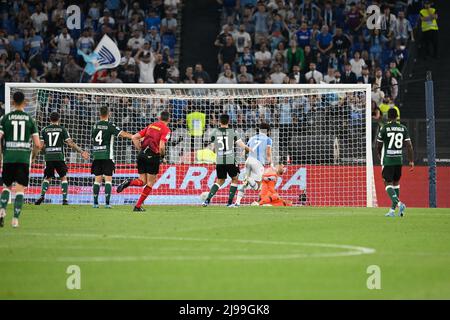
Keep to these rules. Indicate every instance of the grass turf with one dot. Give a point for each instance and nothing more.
(221, 253)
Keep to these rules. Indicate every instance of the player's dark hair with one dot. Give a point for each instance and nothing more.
(264, 127)
(104, 111)
(392, 114)
(224, 119)
(165, 116)
(18, 98)
(54, 116)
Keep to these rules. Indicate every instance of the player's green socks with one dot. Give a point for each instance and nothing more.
(397, 191)
(96, 190)
(44, 187)
(393, 195)
(4, 198)
(108, 188)
(64, 189)
(233, 189)
(18, 203)
(213, 191)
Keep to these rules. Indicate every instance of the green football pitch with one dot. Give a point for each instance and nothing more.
(221, 253)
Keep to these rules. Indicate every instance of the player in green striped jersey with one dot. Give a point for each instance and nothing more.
(390, 141)
(53, 137)
(103, 136)
(225, 139)
(19, 129)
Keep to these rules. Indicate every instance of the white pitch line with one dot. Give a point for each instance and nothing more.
(350, 250)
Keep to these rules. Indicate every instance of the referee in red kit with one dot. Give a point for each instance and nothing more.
(152, 151)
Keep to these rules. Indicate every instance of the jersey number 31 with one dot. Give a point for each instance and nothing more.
(223, 143)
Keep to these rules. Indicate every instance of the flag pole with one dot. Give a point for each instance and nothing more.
(82, 74)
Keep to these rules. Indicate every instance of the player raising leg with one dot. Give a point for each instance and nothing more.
(103, 135)
(18, 128)
(53, 138)
(152, 150)
(261, 145)
(225, 139)
(390, 142)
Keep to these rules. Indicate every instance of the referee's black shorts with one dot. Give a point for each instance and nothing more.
(148, 164)
(392, 173)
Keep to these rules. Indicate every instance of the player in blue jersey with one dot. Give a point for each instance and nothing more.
(261, 146)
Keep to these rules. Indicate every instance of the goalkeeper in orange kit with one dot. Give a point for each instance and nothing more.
(268, 195)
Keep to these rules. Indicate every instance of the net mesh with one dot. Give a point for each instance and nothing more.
(320, 133)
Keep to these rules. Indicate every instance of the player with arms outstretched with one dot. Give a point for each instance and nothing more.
(152, 151)
(390, 141)
(261, 144)
(18, 128)
(103, 135)
(53, 137)
(225, 139)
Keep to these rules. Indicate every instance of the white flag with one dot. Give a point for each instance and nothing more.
(105, 56)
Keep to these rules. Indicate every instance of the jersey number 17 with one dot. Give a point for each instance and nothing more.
(53, 138)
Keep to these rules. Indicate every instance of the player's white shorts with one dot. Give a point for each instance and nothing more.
(254, 169)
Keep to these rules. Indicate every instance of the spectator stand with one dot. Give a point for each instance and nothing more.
(36, 46)
(328, 34)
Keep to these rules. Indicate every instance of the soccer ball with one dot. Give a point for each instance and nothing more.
(204, 195)
(255, 203)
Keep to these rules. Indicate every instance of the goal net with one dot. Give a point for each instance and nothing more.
(322, 133)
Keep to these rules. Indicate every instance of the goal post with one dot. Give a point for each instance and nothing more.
(322, 132)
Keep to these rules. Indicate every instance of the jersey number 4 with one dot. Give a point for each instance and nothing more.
(396, 139)
(99, 137)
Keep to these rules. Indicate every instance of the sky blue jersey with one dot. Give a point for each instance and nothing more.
(259, 143)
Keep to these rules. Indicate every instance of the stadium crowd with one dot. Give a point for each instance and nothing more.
(37, 46)
(313, 41)
(271, 41)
